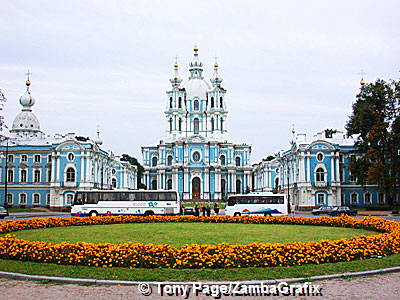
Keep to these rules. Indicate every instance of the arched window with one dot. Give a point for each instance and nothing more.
(276, 183)
(170, 124)
(170, 102)
(70, 175)
(36, 199)
(238, 186)
(180, 102)
(169, 184)
(23, 176)
(196, 126)
(196, 105)
(36, 176)
(367, 198)
(320, 175)
(212, 101)
(48, 199)
(212, 124)
(354, 198)
(237, 160)
(223, 188)
(154, 161)
(222, 159)
(114, 183)
(180, 124)
(220, 102)
(222, 125)
(169, 160)
(154, 184)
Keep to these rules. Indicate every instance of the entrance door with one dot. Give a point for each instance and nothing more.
(196, 188)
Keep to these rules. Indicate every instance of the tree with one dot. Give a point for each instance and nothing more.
(375, 122)
(140, 169)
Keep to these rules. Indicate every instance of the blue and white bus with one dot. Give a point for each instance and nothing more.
(125, 202)
(261, 204)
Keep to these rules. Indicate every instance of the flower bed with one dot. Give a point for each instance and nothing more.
(138, 255)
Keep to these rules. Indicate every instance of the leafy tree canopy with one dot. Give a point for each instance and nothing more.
(140, 170)
(375, 122)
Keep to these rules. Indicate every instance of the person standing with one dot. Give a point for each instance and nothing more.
(196, 210)
(203, 209)
(208, 210)
(216, 208)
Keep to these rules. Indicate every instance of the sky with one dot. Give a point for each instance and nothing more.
(107, 64)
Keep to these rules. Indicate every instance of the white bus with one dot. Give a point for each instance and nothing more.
(262, 204)
(125, 202)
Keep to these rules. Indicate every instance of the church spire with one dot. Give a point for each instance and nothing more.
(216, 80)
(196, 66)
(176, 79)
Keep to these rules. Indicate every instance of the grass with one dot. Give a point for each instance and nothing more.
(195, 275)
(179, 234)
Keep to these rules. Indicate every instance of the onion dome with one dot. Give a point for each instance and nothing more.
(216, 80)
(26, 119)
(176, 79)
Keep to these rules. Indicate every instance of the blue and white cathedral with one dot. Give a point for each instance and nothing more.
(195, 157)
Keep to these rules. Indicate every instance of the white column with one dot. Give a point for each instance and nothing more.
(309, 172)
(58, 168)
(186, 180)
(175, 179)
(53, 169)
(333, 169)
(82, 166)
(217, 183)
(338, 168)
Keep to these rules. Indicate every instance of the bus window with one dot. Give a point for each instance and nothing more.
(78, 199)
(172, 196)
(231, 201)
(163, 197)
(134, 196)
(92, 198)
(150, 196)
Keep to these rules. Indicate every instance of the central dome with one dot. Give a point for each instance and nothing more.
(26, 121)
(196, 87)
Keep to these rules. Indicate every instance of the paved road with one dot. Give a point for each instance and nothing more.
(382, 287)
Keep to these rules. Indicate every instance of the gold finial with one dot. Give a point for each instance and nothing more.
(176, 62)
(216, 63)
(195, 48)
(27, 81)
(362, 81)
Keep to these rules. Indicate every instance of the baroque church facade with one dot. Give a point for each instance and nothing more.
(37, 169)
(195, 158)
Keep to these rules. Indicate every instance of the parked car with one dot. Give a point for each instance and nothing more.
(3, 212)
(189, 211)
(340, 210)
(323, 210)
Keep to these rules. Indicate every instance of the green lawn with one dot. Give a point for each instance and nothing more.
(179, 234)
(194, 275)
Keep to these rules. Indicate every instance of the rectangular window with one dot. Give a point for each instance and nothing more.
(49, 158)
(49, 175)
(320, 199)
(36, 199)
(10, 158)
(24, 158)
(37, 158)
(9, 199)
(48, 199)
(10, 176)
(22, 199)
(354, 198)
(367, 198)
(36, 177)
(381, 198)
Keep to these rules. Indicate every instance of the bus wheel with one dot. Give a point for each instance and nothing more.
(148, 213)
(93, 213)
(237, 214)
(267, 214)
